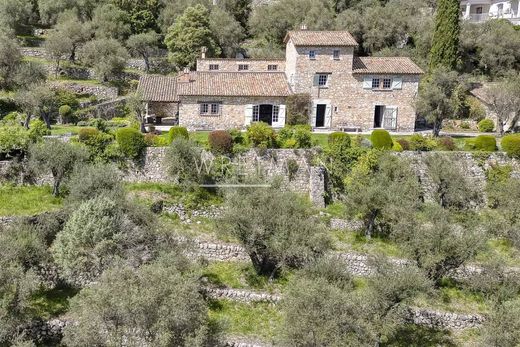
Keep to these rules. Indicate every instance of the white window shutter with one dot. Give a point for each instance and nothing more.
(328, 116)
(281, 116)
(248, 115)
(390, 118)
(314, 111)
(367, 82)
(397, 83)
(316, 81)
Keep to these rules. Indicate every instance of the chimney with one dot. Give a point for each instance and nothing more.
(204, 50)
(184, 77)
(303, 27)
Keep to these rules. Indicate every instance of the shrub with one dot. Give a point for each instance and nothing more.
(261, 135)
(37, 130)
(66, 114)
(131, 142)
(86, 134)
(486, 125)
(446, 143)
(82, 123)
(486, 143)
(381, 139)
(237, 136)
(182, 159)
(511, 145)
(476, 110)
(176, 132)
(298, 109)
(422, 143)
(396, 147)
(90, 181)
(64, 97)
(465, 125)
(220, 142)
(405, 144)
(14, 140)
(339, 139)
(297, 136)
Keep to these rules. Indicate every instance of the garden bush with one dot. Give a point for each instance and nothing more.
(381, 139)
(339, 139)
(476, 110)
(511, 145)
(37, 130)
(130, 141)
(261, 135)
(14, 140)
(422, 143)
(446, 143)
(298, 109)
(486, 126)
(405, 144)
(486, 143)
(86, 134)
(176, 132)
(396, 147)
(220, 142)
(297, 136)
(66, 114)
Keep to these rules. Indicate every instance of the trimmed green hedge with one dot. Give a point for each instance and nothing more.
(131, 142)
(486, 143)
(339, 139)
(220, 142)
(381, 139)
(511, 145)
(486, 126)
(176, 132)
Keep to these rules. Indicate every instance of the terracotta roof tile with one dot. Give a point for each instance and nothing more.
(385, 65)
(482, 92)
(233, 84)
(158, 88)
(320, 38)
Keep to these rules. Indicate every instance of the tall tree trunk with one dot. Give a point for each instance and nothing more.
(146, 63)
(27, 120)
(56, 187)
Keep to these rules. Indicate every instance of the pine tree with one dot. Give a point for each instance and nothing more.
(445, 47)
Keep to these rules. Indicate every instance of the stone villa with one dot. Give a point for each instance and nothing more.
(348, 92)
(483, 10)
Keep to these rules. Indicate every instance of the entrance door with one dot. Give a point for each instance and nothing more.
(321, 110)
(378, 116)
(266, 114)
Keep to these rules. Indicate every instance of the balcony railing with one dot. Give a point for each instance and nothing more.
(482, 17)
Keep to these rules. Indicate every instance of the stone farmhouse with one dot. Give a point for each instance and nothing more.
(483, 10)
(348, 92)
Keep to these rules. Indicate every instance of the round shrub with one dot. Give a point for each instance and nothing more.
(339, 139)
(86, 134)
(130, 141)
(486, 143)
(396, 147)
(446, 143)
(486, 125)
(422, 143)
(405, 144)
(261, 135)
(511, 145)
(176, 132)
(381, 139)
(220, 142)
(297, 136)
(66, 114)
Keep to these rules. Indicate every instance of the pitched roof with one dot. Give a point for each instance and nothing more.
(385, 65)
(482, 92)
(233, 84)
(320, 38)
(158, 88)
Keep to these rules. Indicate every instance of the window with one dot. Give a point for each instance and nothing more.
(213, 67)
(256, 113)
(323, 80)
(210, 109)
(276, 112)
(243, 67)
(335, 54)
(312, 55)
(387, 83)
(272, 67)
(478, 10)
(376, 82)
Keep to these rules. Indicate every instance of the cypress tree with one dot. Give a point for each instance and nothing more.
(445, 47)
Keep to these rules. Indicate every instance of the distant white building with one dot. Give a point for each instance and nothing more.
(483, 10)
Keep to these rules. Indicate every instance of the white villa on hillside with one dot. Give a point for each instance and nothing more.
(483, 10)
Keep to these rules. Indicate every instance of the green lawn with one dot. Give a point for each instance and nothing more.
(65, 129)
(256, 320)
(26, 200)
(353, 241)
(52, 303)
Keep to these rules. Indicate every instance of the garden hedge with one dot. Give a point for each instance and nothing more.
(176, 132)
(261, 135)
(86, 134)
(220, 142)
(486, 126)
(511, 145)
(486, 143)
(131, 142)
(339, 139)
(381, 139)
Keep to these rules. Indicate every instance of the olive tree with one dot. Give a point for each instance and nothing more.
(277, 228)
(502, 328)
(90, 181)
(155, 305)
(144, 45)
(504, 102)
(107, 56)
(57, 158)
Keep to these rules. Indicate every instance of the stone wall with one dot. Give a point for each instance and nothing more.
(231, 65)
(101, 92)
(272, 163)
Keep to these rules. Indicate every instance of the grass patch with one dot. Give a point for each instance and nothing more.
(256, 320)
(353, 241)
(243, 276)
(501, 249)
(52, 303)
(65, 129)
(27, 200)
(420, 336)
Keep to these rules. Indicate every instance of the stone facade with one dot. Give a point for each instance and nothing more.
(232, 111)
(348, 103)
(257, 65)
(164, 109)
